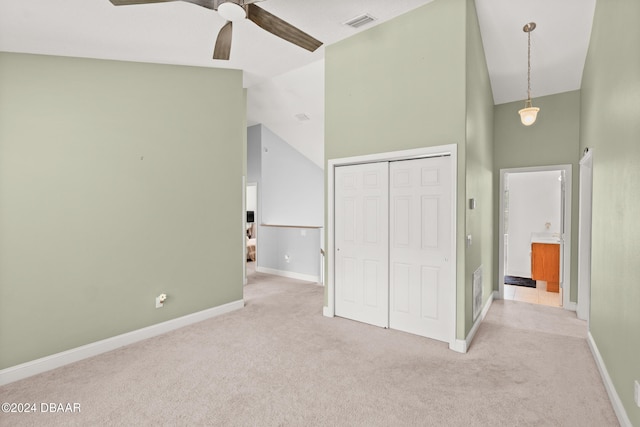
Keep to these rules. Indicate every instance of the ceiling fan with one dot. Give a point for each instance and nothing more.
(233, 10)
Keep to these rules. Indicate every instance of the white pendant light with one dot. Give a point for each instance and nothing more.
(529, 113)
(232, 11)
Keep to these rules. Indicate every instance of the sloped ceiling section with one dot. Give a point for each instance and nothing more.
(558, 45)
(177, 32)
(276, 103)
(282, 79)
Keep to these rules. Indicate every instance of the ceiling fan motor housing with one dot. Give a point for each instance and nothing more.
(241, 3)
(232, 11)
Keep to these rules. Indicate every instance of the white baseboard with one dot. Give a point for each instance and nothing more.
(326, 312)
(572, 306)
(289, 274)
(459, 346)
(618, 407)
(57, 360)
(462, 346)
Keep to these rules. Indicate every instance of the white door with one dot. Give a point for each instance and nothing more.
(422, 294)
(362, 243)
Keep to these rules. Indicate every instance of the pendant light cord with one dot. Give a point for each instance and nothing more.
(529, 66)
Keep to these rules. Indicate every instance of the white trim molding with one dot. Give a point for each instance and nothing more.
(618, 407)
(585, 215)
(462, 346)
(565, 267)
(57, 360)
(289, 274)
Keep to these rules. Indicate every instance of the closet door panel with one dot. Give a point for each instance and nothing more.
(420, 225)
(362, 243)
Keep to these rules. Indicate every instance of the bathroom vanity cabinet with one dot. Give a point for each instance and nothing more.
(545, 264)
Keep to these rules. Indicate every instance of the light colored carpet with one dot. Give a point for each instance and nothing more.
(278, 361)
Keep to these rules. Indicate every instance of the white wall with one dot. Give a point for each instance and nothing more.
(252, 197)
(291, 194)
(292, 185)
(534, 200)
(289, 251)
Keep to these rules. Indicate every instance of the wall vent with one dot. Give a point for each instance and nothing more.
(477, 292)
(359, 21)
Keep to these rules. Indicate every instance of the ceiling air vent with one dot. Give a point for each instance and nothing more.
(359, 21)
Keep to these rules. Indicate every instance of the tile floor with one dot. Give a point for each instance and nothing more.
(537, 295)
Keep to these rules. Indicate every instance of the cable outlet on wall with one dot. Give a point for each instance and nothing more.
(636, 393)
(160, 299)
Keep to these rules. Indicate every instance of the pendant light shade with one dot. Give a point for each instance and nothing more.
(529, 113)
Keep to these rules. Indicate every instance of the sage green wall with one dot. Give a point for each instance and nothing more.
(118, 181)
(399, 85)
(479, 173)
(554, 139)
(403, 85)
(610, 124)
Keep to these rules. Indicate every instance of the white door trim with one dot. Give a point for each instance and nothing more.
(244, 230)
(441, 150)
(585, 202)
(566, 254)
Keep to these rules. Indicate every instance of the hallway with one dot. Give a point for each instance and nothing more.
(537, 295)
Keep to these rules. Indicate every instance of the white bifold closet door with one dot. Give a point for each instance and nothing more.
(393, 239)
(420, 247)
(362, 243)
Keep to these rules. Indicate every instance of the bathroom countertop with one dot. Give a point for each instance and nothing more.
(553, 238)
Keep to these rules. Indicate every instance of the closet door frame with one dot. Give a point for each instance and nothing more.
(440, 150)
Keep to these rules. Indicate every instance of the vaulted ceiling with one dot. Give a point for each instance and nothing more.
(286, 83)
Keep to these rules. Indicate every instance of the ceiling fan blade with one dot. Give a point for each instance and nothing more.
(280, 28)
(127, 2)
(223, 42)
(204, 3)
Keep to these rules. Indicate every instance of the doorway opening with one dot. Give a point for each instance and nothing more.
(251, 228)
(535, 229)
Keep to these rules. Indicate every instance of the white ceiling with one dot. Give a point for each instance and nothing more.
(558, 45)
(282, 79)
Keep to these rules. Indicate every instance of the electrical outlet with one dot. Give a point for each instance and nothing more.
(160, 299)
(636, 393)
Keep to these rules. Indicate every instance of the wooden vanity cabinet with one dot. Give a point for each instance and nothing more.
(545, 264)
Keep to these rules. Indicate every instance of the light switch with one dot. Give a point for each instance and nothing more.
(469, 239)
